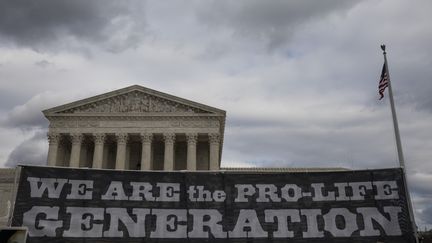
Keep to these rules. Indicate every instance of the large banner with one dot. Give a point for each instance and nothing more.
(86, 205)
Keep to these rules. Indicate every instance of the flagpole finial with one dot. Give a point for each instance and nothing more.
(383, 47)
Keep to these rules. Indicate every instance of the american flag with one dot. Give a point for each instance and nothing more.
(384, 82)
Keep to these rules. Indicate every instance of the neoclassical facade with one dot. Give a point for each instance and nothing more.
(136, 128)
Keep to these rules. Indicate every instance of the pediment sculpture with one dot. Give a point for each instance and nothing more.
(133, 102)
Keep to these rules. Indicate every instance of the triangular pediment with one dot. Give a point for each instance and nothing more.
(133, 100)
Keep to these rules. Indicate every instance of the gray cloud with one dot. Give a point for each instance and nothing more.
(25, 117)
(426, 215)
(415, 83)
(50, 24)
(272, 22)
(29, 115)
(30, 152)
(309, 146)
(43, 63)
(8, 99)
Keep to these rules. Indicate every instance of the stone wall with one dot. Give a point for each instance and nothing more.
(7, 190)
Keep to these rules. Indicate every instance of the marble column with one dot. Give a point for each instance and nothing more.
(99, 142)
(61, 156)
(169, 151)
(146, 152)
(214, 141)
(121, 151)
(76, 140)
(53, 141)
(191, 150)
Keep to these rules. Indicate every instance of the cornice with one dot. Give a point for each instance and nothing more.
(135, 118)
(127, 115)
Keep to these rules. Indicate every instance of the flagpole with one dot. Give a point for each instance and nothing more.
(393, 110)
(399, 144)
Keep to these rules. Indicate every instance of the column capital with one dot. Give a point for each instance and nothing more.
(146, 137)
(53, 137)
(191, 138)
(99, 138)
(76, 138)
(122, 138)
(214, 138)
(169, 138)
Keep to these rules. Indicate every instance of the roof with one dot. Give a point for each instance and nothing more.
(282, 169)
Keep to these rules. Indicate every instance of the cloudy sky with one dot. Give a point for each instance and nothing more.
(298, 79)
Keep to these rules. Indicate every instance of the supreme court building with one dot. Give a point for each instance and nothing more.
(136, 128)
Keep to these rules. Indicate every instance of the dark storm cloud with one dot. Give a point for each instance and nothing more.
(43, 24)
(273, 22)
(30, 152)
